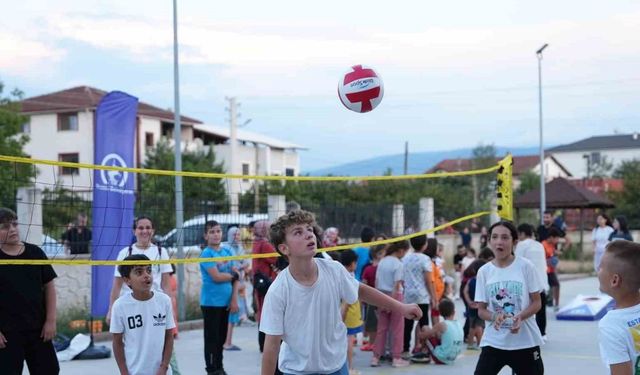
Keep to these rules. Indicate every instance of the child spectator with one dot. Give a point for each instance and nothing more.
(436, 278)
(143, 231)
(27, 305)
(457, 267)
(619, 330)
(508, 295)
(444, 341)
(476, 325)
(142, 323)
(312, 288)
(418, 287)
(550, 249)
(364, 258)
(217, 298)
(351, 313)
(389, 280)
(369, 278)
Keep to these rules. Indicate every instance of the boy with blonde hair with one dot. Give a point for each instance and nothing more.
(619, 330)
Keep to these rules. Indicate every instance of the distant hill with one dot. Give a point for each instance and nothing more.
(419, 162)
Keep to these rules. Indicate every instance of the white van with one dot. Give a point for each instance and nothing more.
(193, 230)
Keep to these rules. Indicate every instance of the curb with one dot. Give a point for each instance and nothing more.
(188, 325)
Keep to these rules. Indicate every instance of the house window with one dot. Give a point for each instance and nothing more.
(148, 139)
(71, 158)
(67, 122)
(245, 171)
(26, 127)
(289, 172)
(595, 158)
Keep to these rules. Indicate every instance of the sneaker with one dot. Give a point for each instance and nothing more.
(232, 348)
(399, 362)
(354, 372)
(366, 347)
(421, 358)
(473, 347)
(405, 355)
(375, 361)
(385, 358)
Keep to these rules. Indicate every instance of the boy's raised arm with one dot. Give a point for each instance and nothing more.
(270, 354)
(376, 298)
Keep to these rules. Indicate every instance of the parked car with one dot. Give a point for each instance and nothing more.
(193, 229)
(51, 247)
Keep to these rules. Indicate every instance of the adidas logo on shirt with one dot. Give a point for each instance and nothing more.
(159, 320)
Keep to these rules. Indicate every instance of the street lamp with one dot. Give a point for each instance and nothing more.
(543, 201)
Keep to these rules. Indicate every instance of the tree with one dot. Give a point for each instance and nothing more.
(484, 156)
(529, 180)
(12, 141)
(602, 169)
(156, 196)
(628, 200)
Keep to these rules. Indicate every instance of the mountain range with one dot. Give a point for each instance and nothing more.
(418, 163)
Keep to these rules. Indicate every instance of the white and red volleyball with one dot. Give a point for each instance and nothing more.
(360, 89)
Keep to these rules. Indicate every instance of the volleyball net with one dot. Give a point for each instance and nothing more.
(55, 202)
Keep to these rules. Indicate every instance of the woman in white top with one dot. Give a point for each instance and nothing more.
(600, 237)
(508, 296)
(143, 230)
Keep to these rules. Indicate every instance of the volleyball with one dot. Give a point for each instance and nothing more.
(360, 89)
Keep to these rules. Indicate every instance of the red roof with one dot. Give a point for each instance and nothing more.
(521, 164)
(85, 97)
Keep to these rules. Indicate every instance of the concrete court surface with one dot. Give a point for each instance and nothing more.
(572, 348)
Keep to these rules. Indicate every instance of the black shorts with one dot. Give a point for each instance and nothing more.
(522, 361)
(553, 279)
(28, 346)
(475, 321)
(371, 320)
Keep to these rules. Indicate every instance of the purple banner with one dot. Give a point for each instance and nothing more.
(113, 191)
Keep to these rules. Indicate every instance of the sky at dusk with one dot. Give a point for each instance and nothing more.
(456, 74)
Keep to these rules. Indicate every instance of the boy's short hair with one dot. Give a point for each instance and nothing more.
(555, 232)
(277, 232)
(210, 224)
(626, 262)
(418, 242)
(446, 307)
(347, 257)
(486, 254)
(432, 248)
(7, 215)
(125, 269)
(367, 234)
(525, 229)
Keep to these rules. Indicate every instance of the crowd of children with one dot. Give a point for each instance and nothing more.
(398, 283)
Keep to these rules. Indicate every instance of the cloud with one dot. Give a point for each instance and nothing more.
(22, 56)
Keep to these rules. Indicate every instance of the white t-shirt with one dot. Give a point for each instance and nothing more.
(156, 270)
(601, 237)
(534, 251)
(143, 324)
(309, 319)
(507, 290)
(415, 289)
(466, 262)
(388, 273)
(619, 337)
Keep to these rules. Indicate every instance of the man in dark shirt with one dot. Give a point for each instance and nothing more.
(27, 305)
(543, 229)
(77, 238)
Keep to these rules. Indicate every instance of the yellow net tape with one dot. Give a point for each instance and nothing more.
(163, 172)
(504, 187)
(88, 262)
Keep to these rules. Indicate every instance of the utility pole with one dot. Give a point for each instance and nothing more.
(234, 187)
(256, 185)
(406, 157)
(177, 129)
(543, 199)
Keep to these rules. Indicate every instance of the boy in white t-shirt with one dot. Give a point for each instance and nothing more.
(619, 330)
(302, 306)
(142, 324)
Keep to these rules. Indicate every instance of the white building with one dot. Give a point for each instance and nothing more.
(582, 157)
(61, 127)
